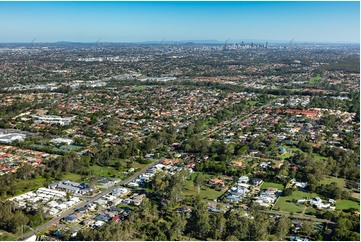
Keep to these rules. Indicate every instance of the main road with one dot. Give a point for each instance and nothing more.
(84, 203)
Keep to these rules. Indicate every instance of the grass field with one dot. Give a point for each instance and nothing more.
(69, 148)
(285, 203)
(340, 181)
(271, 184)
(314, 79)
(29, 185)
(285, 206)
(310, 210)
(205, 192)
(105, 171)
(73, 177)
(347, 204)
(252, 103)
(138, 165)
(285, 156)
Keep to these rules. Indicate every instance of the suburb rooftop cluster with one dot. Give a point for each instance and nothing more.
(179, 141)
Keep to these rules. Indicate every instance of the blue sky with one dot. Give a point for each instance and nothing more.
(144, 21)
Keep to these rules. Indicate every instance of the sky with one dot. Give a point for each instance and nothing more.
(326, 22)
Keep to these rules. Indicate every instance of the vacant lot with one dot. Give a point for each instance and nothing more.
(271, 184)
(340, 181)
(29, 185)
(285, 203)
(347, 204)
(73, 177)
(205, 192)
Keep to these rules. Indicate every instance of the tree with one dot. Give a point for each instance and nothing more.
(18, 221)
(307, 228)
(218, 225)
(283, 226)
(198, 181)
(199, 220)
(177, 227)
(287, 192)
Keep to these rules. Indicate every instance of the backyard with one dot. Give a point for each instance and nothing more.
(205, 192)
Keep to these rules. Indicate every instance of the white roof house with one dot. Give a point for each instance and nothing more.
(62, 141)
(62, 206)
(243, 179)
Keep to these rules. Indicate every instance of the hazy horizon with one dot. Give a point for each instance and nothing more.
(134, 22)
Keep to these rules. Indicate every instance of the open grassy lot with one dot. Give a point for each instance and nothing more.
(205, 192)
(285, 155)
(105, 171)
(315, 79)
(29, 185)
(73, 177)
(310, 210)
(285, 203)
(271, 184)
(285, 206)
(137, 165)
(69, 148)
(252, 103)
(347, 204)
(340, 181)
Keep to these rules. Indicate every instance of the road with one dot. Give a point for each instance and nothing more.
(84, 203)
(305, 217)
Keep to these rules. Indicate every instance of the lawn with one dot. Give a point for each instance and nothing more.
(271, 184)
(347, 204)
(105, 171)
(285, 156)
(285, 203)
(314, 79)
(205, 192)
(252, 103)
(340, 181)
(310, 210)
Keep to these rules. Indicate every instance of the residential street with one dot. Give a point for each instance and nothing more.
(84, 203)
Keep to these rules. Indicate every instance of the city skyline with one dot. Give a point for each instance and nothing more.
(321, 22)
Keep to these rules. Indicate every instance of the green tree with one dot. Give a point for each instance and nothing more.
(198, 181)
(308, 228)
(282, 228)
(199, 220)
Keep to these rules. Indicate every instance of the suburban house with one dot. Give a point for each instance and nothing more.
(243, 179)
(72, 187)
(216, 182)
(256, 181)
